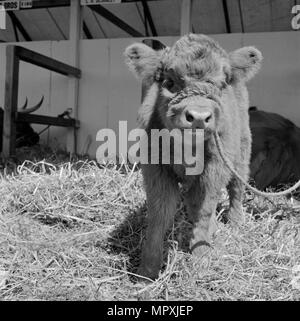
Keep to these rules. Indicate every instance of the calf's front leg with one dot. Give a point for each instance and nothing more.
(201, 206)
(162, 197)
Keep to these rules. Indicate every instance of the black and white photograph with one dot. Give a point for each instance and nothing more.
(150, 152)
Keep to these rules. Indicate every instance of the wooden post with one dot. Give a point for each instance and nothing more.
(73, 90)
(11, 102)
(185, 21)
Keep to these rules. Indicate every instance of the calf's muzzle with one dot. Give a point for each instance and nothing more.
(198, 118)
(199, 113)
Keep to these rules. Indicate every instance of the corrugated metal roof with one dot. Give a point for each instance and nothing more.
(208, 16)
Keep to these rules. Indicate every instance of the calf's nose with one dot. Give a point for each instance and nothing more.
(198, 119)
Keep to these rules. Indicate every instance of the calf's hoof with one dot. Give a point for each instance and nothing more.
(147, 273)
(200, 248)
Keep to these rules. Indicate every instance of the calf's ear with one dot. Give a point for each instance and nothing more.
(142, 60)
(245, 63)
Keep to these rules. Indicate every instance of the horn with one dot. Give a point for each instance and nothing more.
(25, 105)
(33, 108)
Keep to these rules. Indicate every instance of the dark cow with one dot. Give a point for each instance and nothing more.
(25, 135)
(193, 85)
(275, 155)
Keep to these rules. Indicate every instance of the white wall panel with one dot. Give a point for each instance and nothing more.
(94, 92)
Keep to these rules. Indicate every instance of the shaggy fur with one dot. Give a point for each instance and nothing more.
(194, 76)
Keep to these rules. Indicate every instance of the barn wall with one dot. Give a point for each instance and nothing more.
(109, 93)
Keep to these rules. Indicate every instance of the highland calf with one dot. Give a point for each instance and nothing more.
(194, 84)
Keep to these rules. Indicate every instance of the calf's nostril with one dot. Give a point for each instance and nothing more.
(189, 117)
(198, 118)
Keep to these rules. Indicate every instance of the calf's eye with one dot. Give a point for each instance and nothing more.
(223, 85)
(211, 82)
(168, 84)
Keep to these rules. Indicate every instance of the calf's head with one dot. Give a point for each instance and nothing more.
(187, 84)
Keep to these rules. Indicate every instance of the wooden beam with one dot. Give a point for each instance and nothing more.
(40, 4)
(47, 120)
(73, 89)
(143, 19)
(87, 31)
(234, 14)
(46, 62)
(16, 22)
(241, 16)
(226, 16)
(148, 17)
(15, 31)
(185, 21)
(11, 102)
(116, 21)
(56, 23)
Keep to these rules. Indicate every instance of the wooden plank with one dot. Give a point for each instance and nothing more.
(208, 17)
(36, 24)
(11, 102)
(148, 17)
(166, 15)
(116, 21)
(62, 19)
(127, 12)
(47, 120)
(87, 31)
(75, 34)
(185, 20)
(90, 18)
(235, 16)
(256, 16)
(281, 14)
(46, 62)
(226, 16)
(18, 24)
(15, 30)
